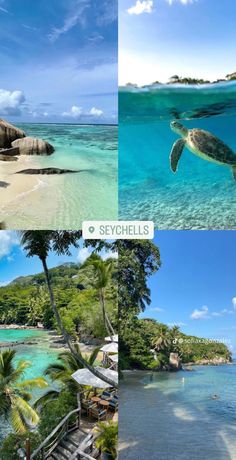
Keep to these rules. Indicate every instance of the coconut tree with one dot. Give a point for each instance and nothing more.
(15, 393)
(39, 243)
(161, 341)
(102, 271)
(61, 372)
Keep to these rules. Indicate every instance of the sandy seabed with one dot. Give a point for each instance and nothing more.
(153, 427)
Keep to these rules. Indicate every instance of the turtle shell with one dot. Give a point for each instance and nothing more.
(210, 145)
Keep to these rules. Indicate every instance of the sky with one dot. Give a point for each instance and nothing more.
(195, 286)
(14, 263)
(162, 38)
(58, 61)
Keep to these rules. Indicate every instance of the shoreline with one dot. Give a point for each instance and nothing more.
(164, 422)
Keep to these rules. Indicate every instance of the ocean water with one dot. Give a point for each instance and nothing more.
(166, 416)
(40, 355)
(64, 201)
(201, 195)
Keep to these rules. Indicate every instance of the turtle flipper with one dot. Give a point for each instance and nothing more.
(176, 153)
(234, 171)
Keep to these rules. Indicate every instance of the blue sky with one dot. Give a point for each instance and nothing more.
(195, 286)
(58, 60)
(161, 38)
(14, 263)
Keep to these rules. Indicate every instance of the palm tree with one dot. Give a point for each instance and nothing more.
(162, 340)
(61, 372)
(14, 392)
(39, 243)
(102, 276)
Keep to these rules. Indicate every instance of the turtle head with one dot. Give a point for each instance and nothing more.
(178, 128)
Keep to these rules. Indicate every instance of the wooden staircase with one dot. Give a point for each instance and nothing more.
(68, 441)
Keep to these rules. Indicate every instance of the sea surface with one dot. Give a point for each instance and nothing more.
(166, 416)
(201, 195)
(40, 355)
(64, 201)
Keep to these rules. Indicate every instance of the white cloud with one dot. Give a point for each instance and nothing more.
(11, 102)
(4, 283)
(200, 314)
(145, 6)
(75, 112)
(96, 112)
(184, 2)
(179, 324)
(75, 16)
(109, 255)
(234, 302)
(159, 310)
(45, 114)
(7, 241)
(83, 255)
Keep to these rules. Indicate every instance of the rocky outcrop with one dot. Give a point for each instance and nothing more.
(8, 134)
(174, 362)
(33, 146)
(217, 361)
(4, 184)
(7, 157)
(46, 171)
(13, 151)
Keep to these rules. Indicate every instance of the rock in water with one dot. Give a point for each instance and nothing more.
(10, 152)
(33, 146)
(174, 361)
(46, 171)
(8, 134)
(7, 157)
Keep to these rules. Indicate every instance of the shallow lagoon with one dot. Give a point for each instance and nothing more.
(172, 415)
(39, 354)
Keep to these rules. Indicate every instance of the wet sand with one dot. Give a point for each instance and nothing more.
(152, 426)
(23, 195)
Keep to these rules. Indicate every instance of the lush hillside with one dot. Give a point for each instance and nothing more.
(147, 344)
(25, 300)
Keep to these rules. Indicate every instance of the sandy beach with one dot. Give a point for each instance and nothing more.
(24, 195)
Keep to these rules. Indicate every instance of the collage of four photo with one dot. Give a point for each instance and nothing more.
(117, 114)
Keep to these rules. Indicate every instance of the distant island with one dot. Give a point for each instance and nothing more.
(176, 79)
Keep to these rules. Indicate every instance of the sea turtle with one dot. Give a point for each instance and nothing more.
(203, 144)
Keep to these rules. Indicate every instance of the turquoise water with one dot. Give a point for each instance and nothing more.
(40, 355)
(172, 415)
(201, 195)
(63, 202)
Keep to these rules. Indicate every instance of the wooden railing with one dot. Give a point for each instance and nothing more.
(62, 429)
(80, 451)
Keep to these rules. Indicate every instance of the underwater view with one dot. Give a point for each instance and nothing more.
(63, 201)
(201, 194)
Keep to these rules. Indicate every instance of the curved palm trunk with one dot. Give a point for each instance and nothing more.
(106, 319)
(66, 336)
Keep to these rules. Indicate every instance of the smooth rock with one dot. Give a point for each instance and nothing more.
(9, 133)
(10, 152)
(174, 361)
(46, 171)
(7, 158)
(33, 146)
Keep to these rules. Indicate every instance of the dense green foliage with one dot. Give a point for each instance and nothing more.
(13, 442)
(146, 337)
(26, 300)
(54, 411)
